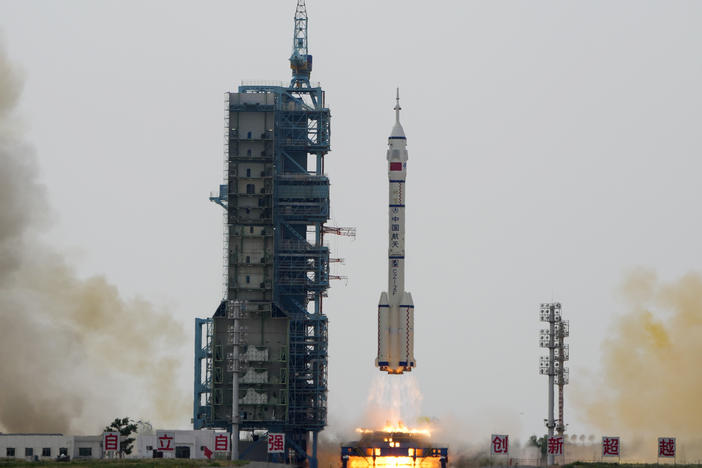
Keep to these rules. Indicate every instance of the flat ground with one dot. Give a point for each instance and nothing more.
(626, 465)
(145, 463)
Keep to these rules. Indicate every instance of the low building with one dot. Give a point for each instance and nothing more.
(158, 444)
(87, 447)
(49, 446)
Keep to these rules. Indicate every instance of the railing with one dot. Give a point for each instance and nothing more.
(298, 176)
(282, 84)
(297, 246)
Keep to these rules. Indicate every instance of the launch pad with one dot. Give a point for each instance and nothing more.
(393, 449)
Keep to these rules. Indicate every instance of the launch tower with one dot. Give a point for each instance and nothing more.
(261, 359)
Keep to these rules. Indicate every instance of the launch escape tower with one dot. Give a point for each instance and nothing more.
(261, 360)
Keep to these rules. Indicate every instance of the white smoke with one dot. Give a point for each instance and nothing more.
(75, 354)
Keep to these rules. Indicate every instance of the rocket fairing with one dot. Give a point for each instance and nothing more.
(395, 308)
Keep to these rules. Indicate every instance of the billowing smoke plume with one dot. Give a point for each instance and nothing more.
(652, 377)
(74, 354)
(393, 400)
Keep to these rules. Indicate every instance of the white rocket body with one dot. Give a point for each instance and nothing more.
(396, 309)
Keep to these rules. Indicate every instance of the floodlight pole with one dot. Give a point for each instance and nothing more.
(560, 426)
(562, 332)
(551, 359)
(553, 365)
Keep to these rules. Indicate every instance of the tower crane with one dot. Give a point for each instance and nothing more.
(300, 60)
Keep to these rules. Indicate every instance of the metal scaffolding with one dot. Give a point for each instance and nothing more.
(269, 334)
(265, 348)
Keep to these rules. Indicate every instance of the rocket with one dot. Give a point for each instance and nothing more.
(395, 308)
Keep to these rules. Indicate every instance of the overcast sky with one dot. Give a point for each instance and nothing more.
(553, 146)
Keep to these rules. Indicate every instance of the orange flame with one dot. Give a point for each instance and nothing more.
(397, 427)
(393, 462)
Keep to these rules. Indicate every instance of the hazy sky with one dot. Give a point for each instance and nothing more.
(553, 147)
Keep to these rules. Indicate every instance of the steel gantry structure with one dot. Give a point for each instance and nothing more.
(261, 359)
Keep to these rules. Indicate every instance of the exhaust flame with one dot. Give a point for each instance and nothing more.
(393, 398)
(398, 428)
(392, 462)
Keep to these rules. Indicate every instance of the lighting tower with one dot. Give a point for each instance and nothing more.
(553, 364)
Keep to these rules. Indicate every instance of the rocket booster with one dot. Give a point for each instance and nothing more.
(395, 308)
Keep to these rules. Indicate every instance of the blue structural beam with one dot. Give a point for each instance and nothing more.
(221, 198)
(201, 413)
(289, 211)
(300, 207)
(301, 268)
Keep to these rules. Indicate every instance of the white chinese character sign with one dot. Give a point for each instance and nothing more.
(499, 444)
(276, 443)
(610, 447)
(165, 441)
(666, 447)
(554, 445)
(110, 441)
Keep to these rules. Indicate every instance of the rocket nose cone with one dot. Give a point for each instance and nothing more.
(397, 131)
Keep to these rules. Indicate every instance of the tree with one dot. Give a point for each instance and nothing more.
(540, 443)
(125, 427)
(144, 427)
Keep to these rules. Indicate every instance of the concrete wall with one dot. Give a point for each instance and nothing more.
(90, 444)
(192, 442)
(48, 443)
(195, 441)
(189, 442)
